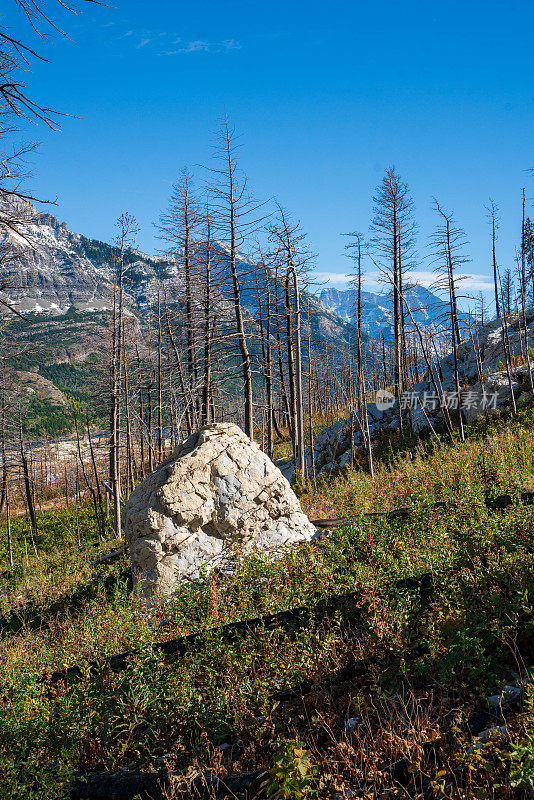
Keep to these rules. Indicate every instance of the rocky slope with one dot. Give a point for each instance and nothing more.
(37, 386)
(483, 357)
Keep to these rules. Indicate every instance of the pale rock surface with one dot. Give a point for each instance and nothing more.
(218, 496)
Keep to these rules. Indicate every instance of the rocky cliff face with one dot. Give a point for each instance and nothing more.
(55, 270)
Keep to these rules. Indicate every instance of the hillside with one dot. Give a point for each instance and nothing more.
(62, 284)
(375, 687)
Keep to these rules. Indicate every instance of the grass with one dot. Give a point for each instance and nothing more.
(434, 660)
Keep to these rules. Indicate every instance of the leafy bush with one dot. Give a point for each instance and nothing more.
(291, 776)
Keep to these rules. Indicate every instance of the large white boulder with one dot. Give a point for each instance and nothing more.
(218, 496)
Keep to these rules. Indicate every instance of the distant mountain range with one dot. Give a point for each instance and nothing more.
(63, 281)
(61, 270)
(377, 309)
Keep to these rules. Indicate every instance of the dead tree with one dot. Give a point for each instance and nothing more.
(524, 245)
(234, 216)
(209, 323)
(291, 255)
(528, 246)
(392, 242)
(522, 320)
(127, 231)
(355, 250)
(265, 320)
(28, 489)
(95, 493)
(492, 210)
(449, 242)
(508, 291)
(16, 61)
(178, 228)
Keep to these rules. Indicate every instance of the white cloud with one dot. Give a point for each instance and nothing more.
(202, 46)
(231, 44)
(372, 280)
(195, 47)
(333, 278)
(142, 43)
(476, 283)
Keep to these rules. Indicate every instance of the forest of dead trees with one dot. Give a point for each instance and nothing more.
(233, 337)
(231, 330)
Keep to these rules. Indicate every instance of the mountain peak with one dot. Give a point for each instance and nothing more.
(377, 309)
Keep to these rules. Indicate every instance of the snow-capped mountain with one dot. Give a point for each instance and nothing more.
(57, 271)
(377, 309)
(65, 280)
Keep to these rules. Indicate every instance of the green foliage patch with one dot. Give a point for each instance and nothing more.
(213, 706)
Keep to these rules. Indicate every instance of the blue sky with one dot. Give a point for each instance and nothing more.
(325, 96)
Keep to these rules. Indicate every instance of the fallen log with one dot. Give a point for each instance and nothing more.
(298, 617)
(354, 670)
(126, 785)
(182, 644)
(395, 513)
(109, 490)
(114, 556)
(494, 503)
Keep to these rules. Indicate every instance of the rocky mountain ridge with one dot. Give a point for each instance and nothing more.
(377, 309)
(56, 270)
(57, 273)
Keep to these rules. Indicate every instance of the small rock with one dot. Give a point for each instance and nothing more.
(165, 760)
(509, 694)
(499, 733)
(495, 700)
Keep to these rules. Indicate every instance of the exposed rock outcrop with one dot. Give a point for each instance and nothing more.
(482, 355)
(40, 387)
(218, 496)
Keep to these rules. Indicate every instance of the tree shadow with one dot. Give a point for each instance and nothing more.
(105, 582)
